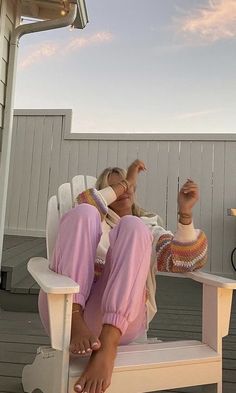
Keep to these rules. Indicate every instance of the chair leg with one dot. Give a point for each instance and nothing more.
(214, 388)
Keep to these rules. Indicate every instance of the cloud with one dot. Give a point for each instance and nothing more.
(214, 22)
(196, 114)
(44, 50)
(50, 49)
(97, 38)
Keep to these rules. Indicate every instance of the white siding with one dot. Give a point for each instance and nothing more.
(8, 20)
(46, 157)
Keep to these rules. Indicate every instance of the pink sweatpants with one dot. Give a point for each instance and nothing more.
(118, 296)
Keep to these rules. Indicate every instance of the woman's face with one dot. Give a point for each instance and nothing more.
(123, 204)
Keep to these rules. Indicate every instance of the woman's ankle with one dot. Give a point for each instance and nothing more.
(110, 336)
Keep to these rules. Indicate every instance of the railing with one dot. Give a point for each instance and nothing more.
(45, 155)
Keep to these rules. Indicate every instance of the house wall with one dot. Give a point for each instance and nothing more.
(47, 156)
(8, 19)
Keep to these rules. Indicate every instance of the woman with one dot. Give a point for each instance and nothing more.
(114, 253)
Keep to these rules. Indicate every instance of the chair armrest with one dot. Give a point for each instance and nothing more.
(211, 279)
(49, 281)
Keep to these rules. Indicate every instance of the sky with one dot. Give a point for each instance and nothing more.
(154, 66)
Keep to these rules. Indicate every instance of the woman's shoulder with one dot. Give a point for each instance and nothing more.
(152, 220)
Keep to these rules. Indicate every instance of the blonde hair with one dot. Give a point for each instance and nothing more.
(102, 182)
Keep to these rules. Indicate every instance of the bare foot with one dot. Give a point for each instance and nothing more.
(97, 376)
(82, 340)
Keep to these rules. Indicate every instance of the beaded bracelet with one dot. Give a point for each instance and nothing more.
(184, 216)
(125, 184)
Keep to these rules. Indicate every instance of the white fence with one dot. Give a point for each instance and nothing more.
(44, 155)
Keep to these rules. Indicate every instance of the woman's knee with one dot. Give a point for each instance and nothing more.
(82, 211)
(133, 224)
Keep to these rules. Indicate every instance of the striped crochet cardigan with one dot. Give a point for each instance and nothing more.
(183, 252)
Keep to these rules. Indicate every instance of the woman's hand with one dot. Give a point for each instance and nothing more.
(188, 197)
(133, 171)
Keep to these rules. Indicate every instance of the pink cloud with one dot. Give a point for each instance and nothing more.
(214, 22)
(98, 38)
(50, 49)
(44, 50)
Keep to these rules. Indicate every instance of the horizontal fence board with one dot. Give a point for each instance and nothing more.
(54, 157)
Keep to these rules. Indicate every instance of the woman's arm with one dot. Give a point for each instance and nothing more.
(187, 250)
(101, 199)
(180, 256)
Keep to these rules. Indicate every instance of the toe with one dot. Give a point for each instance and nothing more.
(75, 350)
(87, 346)
(105, 385)
(87, 387)
(93, 387)
(82, 348)
(79, 386)
(95, 343)
(99, 388)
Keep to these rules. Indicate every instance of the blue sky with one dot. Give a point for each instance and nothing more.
(139, 66)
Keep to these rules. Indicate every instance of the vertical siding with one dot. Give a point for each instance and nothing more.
(43, 158)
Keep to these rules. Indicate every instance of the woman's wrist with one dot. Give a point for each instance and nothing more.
(121, 187)
(185, 218)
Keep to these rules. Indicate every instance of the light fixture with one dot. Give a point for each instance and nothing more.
(64, 10)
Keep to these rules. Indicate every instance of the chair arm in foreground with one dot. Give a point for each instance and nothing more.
(49, 281)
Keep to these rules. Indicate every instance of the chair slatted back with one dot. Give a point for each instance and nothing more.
(78, 186)
(52, 226)
(64, 198)
(90, 181)
(80, 183)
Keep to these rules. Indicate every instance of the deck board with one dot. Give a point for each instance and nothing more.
(22, 333)
(178, 317)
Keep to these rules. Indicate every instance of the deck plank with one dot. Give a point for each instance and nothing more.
(178, 317)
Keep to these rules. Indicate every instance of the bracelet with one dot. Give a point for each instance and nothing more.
(73, 311)
(185, 215)
(125, 184)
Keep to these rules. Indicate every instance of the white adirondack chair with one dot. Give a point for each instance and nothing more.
(138, 368)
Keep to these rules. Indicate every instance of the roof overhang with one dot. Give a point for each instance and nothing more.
(52, 9)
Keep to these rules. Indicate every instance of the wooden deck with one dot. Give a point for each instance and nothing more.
(179, 317)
